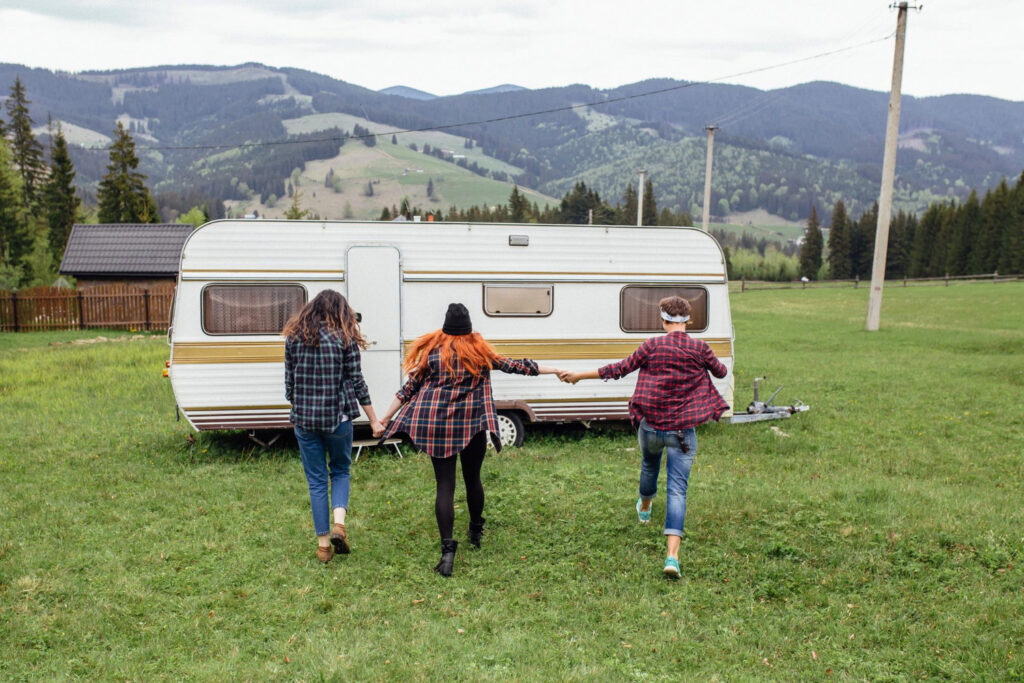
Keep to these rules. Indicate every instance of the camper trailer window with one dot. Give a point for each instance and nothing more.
(639, 312)
(250, 309)
(518, 300)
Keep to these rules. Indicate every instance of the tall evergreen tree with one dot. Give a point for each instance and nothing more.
(650, 216)
(28, 153)
(123, 196)
(60, 201)
(1011, 254)
(924, 241)
(996, 214)
(627, 214)
(518, 206)
(15, 236)
(810, 250)
(964, 232)
(862, 242)
(839, 264)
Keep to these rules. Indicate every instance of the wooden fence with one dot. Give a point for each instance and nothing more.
(746, 285)
(61, 308)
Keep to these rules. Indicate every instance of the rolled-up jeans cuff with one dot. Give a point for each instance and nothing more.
(674, 532)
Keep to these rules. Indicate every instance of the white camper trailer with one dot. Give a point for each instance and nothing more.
(571, 296)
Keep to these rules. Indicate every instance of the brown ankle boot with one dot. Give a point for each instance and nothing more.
(339, 539)
(324, 553)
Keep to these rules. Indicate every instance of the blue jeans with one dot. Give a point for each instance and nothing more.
(681, 447)
(326, 455)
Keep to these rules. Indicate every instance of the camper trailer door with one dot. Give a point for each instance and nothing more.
(374, 282)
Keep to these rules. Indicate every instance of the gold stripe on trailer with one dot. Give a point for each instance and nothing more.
(553, 349)
(228, 352)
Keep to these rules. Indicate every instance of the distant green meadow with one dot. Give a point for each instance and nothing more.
(878, 536)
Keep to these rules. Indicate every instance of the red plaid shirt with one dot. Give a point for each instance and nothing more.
(674, 390)
(442, 412)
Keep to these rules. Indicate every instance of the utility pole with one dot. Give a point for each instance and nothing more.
(892, 129)
(707, 177)
(640, 200)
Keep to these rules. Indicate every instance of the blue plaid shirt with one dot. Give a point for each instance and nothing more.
(323, 383)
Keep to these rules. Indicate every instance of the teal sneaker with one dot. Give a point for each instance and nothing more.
(644, 515)
(672, 568)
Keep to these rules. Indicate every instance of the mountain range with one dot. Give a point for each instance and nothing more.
(204, 130)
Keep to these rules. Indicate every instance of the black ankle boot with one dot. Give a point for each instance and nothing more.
(476, 530)
(444, 565)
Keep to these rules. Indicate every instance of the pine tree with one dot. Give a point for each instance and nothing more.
(430, 188)
(996, 214)
(27, 152)
(15, 236)
(964, 233)
(839, 264)
(295, 212)
(518, 206)
(122, 195)
(924, 241)
(1011, 254)
(650, 216)
(627, 214)
(810, 250)
(60, 201)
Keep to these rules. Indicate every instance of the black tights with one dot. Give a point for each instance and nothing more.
(444, 472)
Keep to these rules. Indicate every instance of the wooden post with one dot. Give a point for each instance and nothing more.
(14, 309)
(947, 279)
(743, 284)
(904, 279)
(145, 301)
(892, 128)
(856, 281)
(81, 312)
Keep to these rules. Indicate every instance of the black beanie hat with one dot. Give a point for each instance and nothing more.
(456, 320)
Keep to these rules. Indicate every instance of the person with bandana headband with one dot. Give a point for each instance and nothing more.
(673, 395)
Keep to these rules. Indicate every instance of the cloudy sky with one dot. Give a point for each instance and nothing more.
(450, 46)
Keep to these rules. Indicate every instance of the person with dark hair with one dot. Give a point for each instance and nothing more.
(323, 380)
(673, 395)
(447, 409)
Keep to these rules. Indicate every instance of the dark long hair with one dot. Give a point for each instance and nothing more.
(327, 308)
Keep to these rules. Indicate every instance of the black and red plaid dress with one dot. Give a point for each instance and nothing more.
(673, 390)
(443, 412)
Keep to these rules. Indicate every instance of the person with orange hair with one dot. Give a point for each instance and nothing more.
(447, 409)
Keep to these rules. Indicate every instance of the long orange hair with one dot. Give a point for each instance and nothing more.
(473, 352)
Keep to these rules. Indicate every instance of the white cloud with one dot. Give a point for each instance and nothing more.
(449, 46)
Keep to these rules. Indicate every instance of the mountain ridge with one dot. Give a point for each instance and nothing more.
(782, 150)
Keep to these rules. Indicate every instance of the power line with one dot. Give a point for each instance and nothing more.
(510, 117)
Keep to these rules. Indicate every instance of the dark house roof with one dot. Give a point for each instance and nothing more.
(125, 249)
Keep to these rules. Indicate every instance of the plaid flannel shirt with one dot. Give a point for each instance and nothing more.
(442, 413)
(323, 383)
(673, 390)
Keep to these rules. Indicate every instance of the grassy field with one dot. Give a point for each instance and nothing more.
(878, 536)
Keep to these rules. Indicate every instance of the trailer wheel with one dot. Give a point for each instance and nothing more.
(511, 428)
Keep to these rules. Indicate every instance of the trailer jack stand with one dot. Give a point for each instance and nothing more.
(759, 410)
(266, 444)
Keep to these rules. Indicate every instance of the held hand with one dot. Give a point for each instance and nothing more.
(378, 428)
(568, 377)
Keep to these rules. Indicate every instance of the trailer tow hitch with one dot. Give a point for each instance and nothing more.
(764, 410)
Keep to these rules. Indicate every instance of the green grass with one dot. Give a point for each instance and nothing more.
(878, 536)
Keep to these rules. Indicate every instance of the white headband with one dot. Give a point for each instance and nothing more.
(674, 318)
